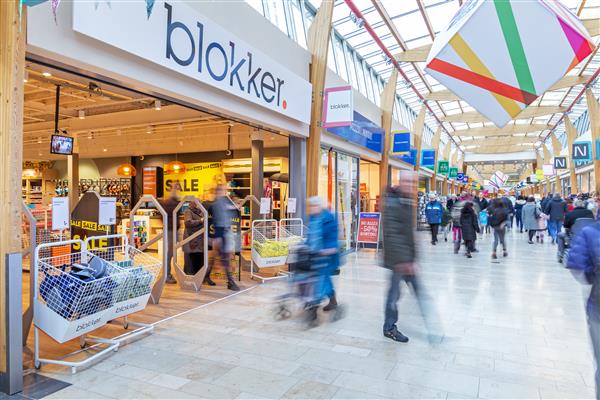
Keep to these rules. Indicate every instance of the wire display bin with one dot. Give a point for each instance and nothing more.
(81, 291)
(267, 250)
(291, 230)
(142, 272)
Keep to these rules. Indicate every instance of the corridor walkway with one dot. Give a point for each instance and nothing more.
(513, 329)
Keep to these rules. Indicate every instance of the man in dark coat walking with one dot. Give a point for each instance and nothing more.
(399, 255)
(555, 209)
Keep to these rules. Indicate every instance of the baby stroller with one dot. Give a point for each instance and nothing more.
(302, 291)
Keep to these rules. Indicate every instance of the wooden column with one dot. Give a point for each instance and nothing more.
(571, 137)
(435, 143)
(594, 114)
(547, 160)
(388, 97)
(318, 45)
(418, 128)
(73, 178)
(12, 63)
(556, 149)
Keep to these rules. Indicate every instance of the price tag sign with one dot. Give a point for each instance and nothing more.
(265, 205)
(368, 227)
(107, 211)
(291, 205)
(60, 213)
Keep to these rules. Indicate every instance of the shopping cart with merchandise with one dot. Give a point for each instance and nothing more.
(143, 272)
(74, 292)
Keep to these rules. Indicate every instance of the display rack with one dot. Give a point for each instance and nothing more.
(81, 291)
(268, 251)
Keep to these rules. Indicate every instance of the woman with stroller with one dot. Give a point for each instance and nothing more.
(323, 241)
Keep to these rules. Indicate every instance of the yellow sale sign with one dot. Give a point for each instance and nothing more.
(198, 179)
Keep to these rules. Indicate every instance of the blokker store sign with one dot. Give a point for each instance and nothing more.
(178, 37)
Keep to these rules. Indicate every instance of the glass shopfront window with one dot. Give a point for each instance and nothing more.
(369, 186)
(338, 186)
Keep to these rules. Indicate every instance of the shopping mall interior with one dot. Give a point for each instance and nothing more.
(312, 199)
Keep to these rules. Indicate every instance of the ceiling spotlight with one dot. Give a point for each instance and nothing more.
(157, 105)
(46, 74)
(105, 150)
(39, 153)
(39, 140)
(149, 129)
(26, 77)
(181, 143)
(81, 114)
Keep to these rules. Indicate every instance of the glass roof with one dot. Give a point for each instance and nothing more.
(409, 24)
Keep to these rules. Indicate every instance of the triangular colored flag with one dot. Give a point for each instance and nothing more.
(55, 4)
(149, 7)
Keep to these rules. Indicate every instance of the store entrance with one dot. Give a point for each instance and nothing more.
(83, 135)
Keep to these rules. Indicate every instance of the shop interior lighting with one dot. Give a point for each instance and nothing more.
(105, 150)
(39, 140)
(90, 135)
(119, 132)
(46, 74)
(175, 168)
(157, 105)
(81, 114)
(26, 77)
(126, 170)
(149, 129)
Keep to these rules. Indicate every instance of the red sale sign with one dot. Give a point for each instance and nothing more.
(368, 227)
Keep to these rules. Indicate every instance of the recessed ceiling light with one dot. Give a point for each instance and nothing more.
(46, 74)
(105, 150)
(26, 76)
(149, 129)
(81, 114)
(39, 140)
(157, 105)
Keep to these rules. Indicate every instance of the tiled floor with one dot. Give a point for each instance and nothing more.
(512, 329)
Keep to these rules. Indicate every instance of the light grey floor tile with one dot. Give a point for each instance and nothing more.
(310, 390)
(262, 383)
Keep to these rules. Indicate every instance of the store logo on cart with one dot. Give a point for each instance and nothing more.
(222, 62)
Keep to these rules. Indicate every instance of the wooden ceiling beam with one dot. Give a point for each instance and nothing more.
(507, 130)
(418, 54)
(529, 112)
(592, 25)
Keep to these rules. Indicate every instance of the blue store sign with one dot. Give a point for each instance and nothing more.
(400, 142)
(428, 158)
(409, 158)
(363, 132)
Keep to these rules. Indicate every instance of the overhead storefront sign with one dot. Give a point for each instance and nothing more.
(362, 131)
(443, 167)
(428, 158)
(582, 151)
(198, 179)
(410, 157)
(465, 179)
(178, 37)
(560, 162)
(452, 172)
(400, 142)
(338, 107)
(548, 169)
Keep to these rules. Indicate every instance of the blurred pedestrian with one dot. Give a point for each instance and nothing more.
(323, 241)
(498, 220)
(556, 209)
(469, 227)
(484, 221)
(530, 214)
(450, 202)
(169, 204)
(455, 212)
(434, 212)
(584, 263)
(400, 256)
(519, 212)
(222, 210)
(194, 249)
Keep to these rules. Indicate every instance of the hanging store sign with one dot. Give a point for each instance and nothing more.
(338, 107)
(597, 149)
(427, 158)
(582, 151)
(199, 178)
(548, 169)
(460, 176)
(362, 131)
(400, 142)
(443, 167)
(539, 174)
(368, 227)
(465, 179)
(410, 157)
(452, 172)
(560, 162)
(178, 37)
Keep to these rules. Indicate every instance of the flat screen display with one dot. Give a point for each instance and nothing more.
(61, 145)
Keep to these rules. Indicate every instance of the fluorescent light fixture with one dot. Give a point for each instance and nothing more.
(46, 74)
(157, 105)
(39, 140)
(81, 114)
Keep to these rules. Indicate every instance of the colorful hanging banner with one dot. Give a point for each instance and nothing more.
(443, 167)
(452, 172)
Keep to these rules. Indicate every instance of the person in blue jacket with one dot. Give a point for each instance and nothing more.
(434, 210)
(584, 263)
(323, 241)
